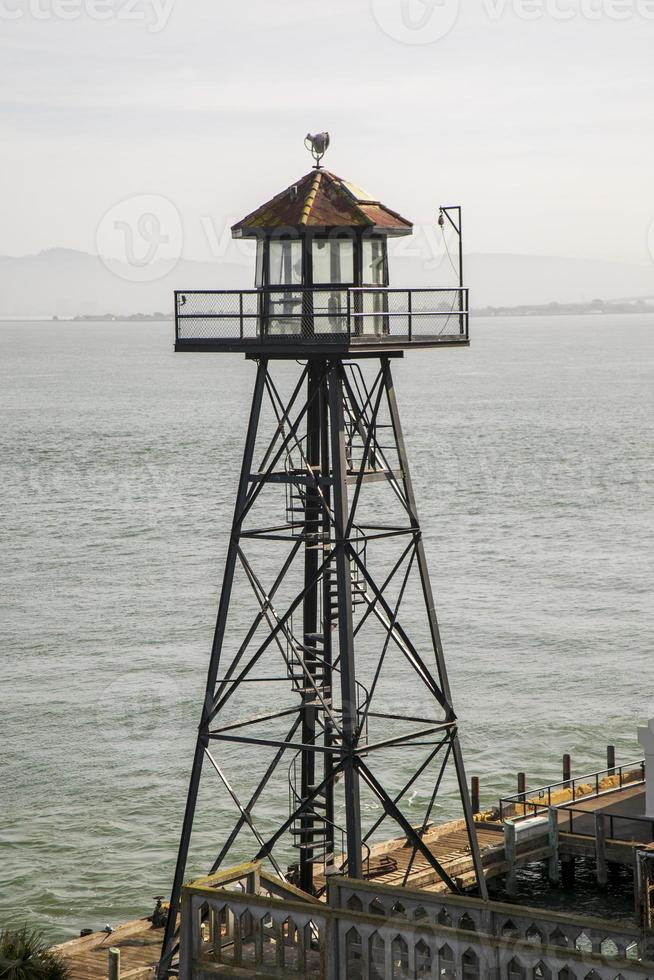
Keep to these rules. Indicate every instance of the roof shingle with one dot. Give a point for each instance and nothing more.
(320, 199)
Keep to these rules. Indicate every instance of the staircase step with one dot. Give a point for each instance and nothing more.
(318, 830)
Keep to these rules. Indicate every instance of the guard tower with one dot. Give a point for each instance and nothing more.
(327, 722)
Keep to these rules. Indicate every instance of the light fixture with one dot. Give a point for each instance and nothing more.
(317, 146)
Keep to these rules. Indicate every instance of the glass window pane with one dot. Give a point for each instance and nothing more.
(333, 260)
(258, 276)
(374, 262)
(285, 264)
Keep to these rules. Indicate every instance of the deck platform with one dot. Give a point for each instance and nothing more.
(139, 944)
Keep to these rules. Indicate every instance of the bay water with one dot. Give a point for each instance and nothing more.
(532, 461)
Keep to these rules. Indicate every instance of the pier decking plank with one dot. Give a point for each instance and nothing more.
(139, 946)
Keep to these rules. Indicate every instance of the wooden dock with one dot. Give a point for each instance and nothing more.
(139, 944)
(583, 829)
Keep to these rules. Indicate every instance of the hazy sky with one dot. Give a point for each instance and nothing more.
(536, 115)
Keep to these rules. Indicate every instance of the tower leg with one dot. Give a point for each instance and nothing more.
(433, 625)
(169, 942)
(310, 611)
(345, 626)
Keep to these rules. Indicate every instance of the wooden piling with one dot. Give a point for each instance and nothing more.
(567, 769)
(522, 782)
(610, 759)
(600, 850)
(553, 867)
(568, 870)
(114, 963)
(510, 853)
(474, 794)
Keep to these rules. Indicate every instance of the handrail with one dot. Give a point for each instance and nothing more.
(285, 313)
(528, 797)
(611, 819)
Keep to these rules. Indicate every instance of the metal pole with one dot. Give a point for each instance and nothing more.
(345, 627)
(325, 473)
(310, 615)
(168, 946)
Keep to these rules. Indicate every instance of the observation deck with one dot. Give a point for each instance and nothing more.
(318, 320)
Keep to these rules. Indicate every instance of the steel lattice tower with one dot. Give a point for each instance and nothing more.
(313, 680)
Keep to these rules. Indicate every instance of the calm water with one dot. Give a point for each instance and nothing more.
(532, 458)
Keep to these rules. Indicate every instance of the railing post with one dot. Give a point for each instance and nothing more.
(189, 937)
(240, 312)
(409, 304)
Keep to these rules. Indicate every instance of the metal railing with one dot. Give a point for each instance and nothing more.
(618, 827)
(581, 787)
(295, 314)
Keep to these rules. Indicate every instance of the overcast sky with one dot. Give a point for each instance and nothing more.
(536, 116)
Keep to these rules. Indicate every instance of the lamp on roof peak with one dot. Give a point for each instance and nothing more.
(317, 146)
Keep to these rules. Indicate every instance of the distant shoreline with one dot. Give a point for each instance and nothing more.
(597, 307)
(594, 308)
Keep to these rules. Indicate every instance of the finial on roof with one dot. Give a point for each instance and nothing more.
(317, 146)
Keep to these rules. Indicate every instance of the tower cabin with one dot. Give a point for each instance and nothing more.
(322, 282)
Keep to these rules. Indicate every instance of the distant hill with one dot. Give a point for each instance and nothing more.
(64, 282)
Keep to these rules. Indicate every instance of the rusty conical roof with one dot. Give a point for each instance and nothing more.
(320, 199)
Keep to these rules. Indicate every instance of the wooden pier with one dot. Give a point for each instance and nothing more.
(590, 818)
(139, 945)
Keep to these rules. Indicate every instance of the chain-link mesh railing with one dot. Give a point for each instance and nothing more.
(410, 314)
(320, 315)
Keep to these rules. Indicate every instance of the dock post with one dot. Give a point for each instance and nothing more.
(567, 769)
(553, 869)
(610, 759)
(510, 854)
(522, 782)
(474, 794)
(114, 963)
(600, 850)
(568, 870)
